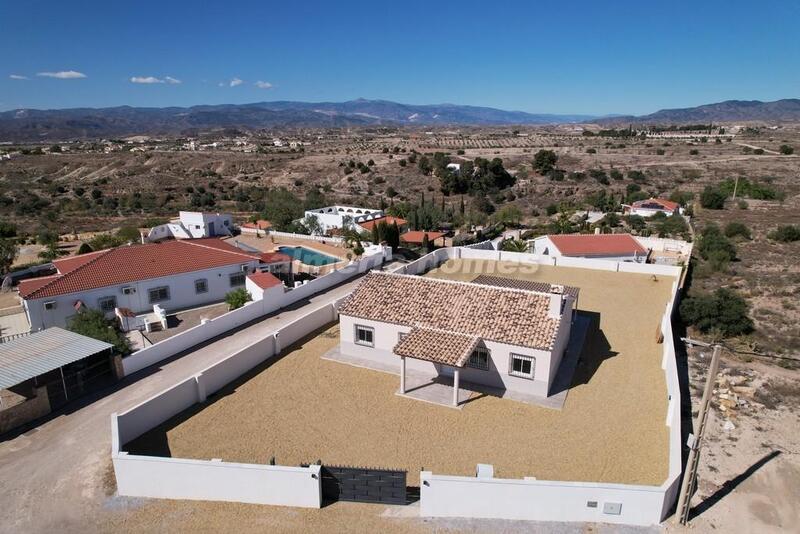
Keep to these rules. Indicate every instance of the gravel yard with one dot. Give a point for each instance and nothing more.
(301, 408)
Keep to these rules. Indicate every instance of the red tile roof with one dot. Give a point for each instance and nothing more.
(137, 262)
(367, 225)
(261, 224)
(264, 280)
(597, 245)
(64, 265)
(437, 346)
(654, 203)
(275, 257)
(416, 236)
(32, 284)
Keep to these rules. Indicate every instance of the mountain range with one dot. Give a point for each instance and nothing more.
(81, 123)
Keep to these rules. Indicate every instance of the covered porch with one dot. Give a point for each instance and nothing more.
(448, 351)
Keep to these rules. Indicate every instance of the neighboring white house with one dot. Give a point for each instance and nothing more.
(193, 225)
(651, 206)
(172, 274)
(454, 167)
(505, 338)
(332, 217)
(616, 247)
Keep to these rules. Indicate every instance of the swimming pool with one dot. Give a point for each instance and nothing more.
(308, 256)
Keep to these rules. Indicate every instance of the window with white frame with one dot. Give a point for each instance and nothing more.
(158, 294)
(365, 335)
(50, 305)
(522, 366)
(401, 336)
(237, 279)
(479, 359)
(107, 304)
(201, 286)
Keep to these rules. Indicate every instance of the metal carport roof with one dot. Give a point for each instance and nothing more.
(35, 354)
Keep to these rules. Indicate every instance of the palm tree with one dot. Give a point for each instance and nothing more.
(515, 245)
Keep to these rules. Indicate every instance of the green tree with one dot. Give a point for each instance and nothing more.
(281, 208)
(514, 245)
(85, 248)
(129, 234)
(712, 198)
(724, 311)
(8, 253)
(312, 225)
(93, 323)
(544, 161)
(714, 247)
(237, 298)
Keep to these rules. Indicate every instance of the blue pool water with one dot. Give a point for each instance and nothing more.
(308, 256)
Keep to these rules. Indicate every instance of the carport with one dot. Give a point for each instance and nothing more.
(46, 369)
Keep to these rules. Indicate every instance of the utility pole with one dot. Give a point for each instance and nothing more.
(696, 442)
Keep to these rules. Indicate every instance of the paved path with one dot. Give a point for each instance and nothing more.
(53, 476)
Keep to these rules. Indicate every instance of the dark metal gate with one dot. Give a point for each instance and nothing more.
(361, 484)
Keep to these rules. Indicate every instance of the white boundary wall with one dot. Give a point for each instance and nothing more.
(320, 238)
(540, 500)
(214, 480)
(253, 310)
(441, 495)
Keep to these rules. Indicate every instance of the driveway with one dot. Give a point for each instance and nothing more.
(57, 475)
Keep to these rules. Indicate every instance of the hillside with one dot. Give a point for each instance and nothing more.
(731, 110)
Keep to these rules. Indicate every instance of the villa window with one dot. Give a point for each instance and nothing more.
(522, 366)
(479, 359)
(201, 286)
(365, 335)
(50, 305)
(237, 279)
(158, 294)
(401, 336)
(107, 304)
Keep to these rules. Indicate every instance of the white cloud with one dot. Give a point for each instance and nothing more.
(173, 81)
(18, 77)
(145, 79)
(236, 81)
(62, 74)
(263, 85)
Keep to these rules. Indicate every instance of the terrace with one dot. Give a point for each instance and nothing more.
(300, 408)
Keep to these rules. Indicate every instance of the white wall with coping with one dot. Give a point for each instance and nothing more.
(215, 480)
(253, 310)
(319, 238)
(457, 496)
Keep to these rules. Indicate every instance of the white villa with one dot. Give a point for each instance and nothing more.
(616, 247)
(651, 206)
(332, 217)
(192, 225)
(510, 339)
(137, 278)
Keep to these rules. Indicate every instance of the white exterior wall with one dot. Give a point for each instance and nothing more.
(181, 289)
(199, 223)
(386, 336)
(333, 216)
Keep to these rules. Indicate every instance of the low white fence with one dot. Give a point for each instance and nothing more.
(319, 238)
(252, 311)
(215, 480)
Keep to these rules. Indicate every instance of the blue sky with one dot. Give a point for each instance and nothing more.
(537, 56)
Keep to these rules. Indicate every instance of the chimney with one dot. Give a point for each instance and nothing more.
(556, 299)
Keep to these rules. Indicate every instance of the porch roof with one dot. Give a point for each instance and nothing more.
(437, 346)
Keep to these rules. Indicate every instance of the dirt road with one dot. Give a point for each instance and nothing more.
(55, 477)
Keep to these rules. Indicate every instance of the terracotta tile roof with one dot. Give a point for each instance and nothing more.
(264, 280)
(140, 262)
(438, 346)
(656, 203)
(416, 236)
(32, 284)
(525, 285)
(509, 316)
(64, 265)
(261, 224)
(367, 225)
(597, 244)
(275, 257)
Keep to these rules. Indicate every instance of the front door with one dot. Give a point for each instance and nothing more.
(211, 232)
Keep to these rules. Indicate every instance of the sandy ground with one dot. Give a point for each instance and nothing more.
(301, 408)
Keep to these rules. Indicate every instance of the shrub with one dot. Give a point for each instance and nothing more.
(786, 150)
(544, 161)
(660, 152)
(237, 298)
(615, 174)
(714, 247)
(723, 311)
(785, 234)
(93, 323)
(712, 198)
(758, 152)
(591, 151)
(694, 152)
(552, 209)
(737, 229)
(85, 248)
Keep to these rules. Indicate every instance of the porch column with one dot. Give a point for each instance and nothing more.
(402, 375)
(455, 387)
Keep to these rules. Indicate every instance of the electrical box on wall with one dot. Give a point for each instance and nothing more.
(612, 508)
